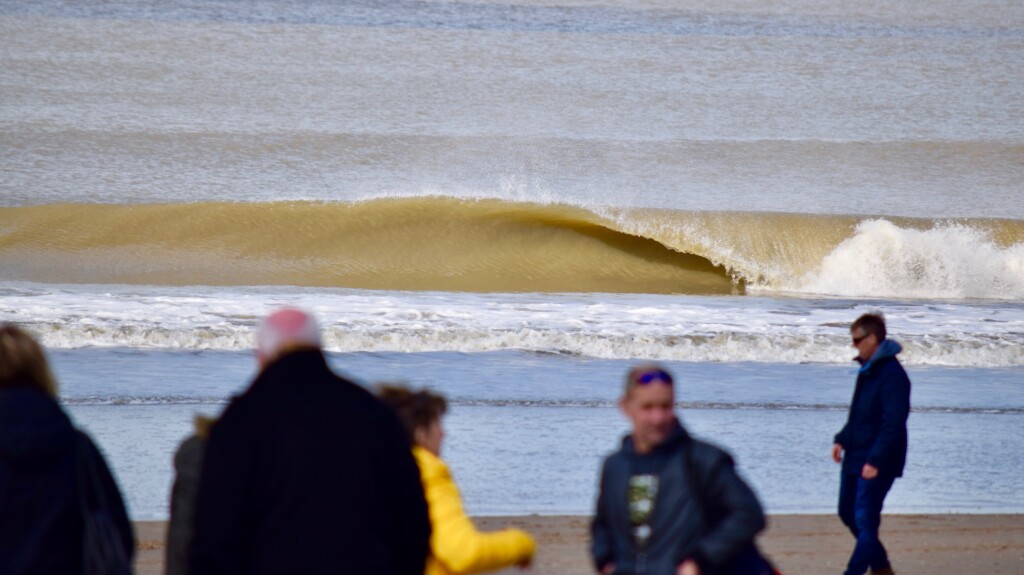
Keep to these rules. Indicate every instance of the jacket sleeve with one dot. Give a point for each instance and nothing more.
(895, 410)
(455, 541)
(222, 514)
(840, 437)
(741, 516)
(600, 535)
(114, 499)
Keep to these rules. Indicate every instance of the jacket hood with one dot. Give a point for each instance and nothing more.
(888, 348)
(293, 366)
(33, 427)
(677, 437)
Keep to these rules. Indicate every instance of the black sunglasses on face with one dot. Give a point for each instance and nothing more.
(857, 340)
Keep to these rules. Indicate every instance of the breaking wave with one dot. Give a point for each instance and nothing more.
(449, 244)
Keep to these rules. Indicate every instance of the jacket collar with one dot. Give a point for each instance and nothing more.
(676, 438)
(293, 366)
(431, 466)
(888, 348)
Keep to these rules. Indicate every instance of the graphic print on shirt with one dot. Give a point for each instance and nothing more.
(642, 491)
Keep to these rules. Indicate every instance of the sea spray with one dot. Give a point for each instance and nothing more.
(949, 260)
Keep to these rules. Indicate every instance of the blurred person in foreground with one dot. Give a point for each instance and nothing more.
(456, 547)
(307, 472)
(41, 463)
(188, 462)
(670, 504)
(872, 446)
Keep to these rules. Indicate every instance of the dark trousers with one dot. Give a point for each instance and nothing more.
(860, 508)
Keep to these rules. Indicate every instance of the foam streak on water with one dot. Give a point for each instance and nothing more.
(722, 329)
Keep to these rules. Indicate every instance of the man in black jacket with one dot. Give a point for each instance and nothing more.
(872, 446)
(670, 504)
(307, 472)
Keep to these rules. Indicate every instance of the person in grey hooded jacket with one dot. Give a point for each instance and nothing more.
(670, 504)
(872, 446)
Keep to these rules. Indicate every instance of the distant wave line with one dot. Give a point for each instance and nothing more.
(721, 405)
(515, 18)
(551, 403)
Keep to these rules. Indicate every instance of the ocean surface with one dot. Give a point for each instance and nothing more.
(511, 203)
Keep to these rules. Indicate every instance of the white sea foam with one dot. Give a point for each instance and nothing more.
(845, 256)
(595, 325)
(949, 260)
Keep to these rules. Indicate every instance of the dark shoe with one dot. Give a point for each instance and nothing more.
(885, 571)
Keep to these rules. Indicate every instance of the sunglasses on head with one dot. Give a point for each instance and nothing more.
(649, 377)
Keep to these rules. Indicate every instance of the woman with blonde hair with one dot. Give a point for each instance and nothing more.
(45, 502)
(456, 547)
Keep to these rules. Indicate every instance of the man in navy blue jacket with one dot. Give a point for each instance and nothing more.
(872, 446)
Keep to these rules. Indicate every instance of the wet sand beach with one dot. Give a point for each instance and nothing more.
(799, 544)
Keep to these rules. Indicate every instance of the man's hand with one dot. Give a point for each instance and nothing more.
(869, 471)
(609, 568)
(837, 453)
(688, 567)
(525, 564)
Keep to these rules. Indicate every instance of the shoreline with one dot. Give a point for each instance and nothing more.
(799, 544)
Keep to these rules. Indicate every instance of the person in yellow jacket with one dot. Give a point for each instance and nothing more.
(456, 547)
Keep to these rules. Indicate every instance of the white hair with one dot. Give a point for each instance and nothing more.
(286, 328)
